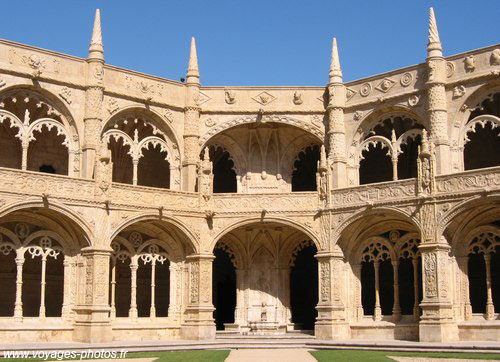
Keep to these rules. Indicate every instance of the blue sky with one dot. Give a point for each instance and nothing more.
(254, 42)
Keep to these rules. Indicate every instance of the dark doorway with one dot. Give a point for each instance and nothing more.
(304, 288)
(305, 168)
(477, 283)
(223, 170)
(483, 149)
(224, 288)
(376, 166)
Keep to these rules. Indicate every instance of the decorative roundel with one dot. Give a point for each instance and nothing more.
(45, 242)
(154, 249)
(22, 230)
(450, 69)
(115, 246)
(5, 249)
(394, 235)
(136, 239)
(365, 89)
(406, 79)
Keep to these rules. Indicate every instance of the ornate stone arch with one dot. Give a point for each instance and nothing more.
(462, 125)
(399, 216)
(467, 215)
(375, 248)
(253, 220)
(82, 229)
(157, 118)
(361, 139)
(466, 247)
(154, 131)
(316, 132)
(184, 232)
(57, 116)
(291, 153)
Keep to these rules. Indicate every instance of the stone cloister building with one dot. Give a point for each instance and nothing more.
(135, 208)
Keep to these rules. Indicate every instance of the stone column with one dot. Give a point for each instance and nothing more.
(336, 125)
(18, 305)
(331, 322)
(377, 313)
(92, 323)
(41, 314)
(66, 307)
(416, 308)
(396, 308)
(94, 94)
(463, 263)
(132, 313)
(135, 165)
(24, 157)
(199, 322)
(436, 97)
(113, 289)
(436, 323)
(152, 309)
(490, 308)
(358, 306)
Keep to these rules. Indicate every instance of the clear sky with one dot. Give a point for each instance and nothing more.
(254, 42)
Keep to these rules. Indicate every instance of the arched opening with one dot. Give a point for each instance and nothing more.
(147, 256)
(43, 279)
(154, 169)
(304, 288)
(123, 287)
(477, 283)
(483, 148)
(223, 170)
(32, 277)
(224, 288)
(143, 289)
(305, 168)
(483, 262)
(143, 150)
(47, 152)
(393, 139)
(376, 165)
(407, 159)
(265, 279)
(368, 287)
(264, 156)
(11, 155)
(54, 287)
(386, 280)
(8, 275)
(122, 161)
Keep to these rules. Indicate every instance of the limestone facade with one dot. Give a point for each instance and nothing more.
(136, 208)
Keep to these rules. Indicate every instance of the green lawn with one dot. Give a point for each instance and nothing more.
(183, 356)
(174, 356)
(353, 355)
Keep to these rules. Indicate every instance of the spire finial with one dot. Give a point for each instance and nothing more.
(96, 49)
(434, 48)
(193, 71)
(335, 71)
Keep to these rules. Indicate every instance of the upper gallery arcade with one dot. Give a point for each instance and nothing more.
(136, 207)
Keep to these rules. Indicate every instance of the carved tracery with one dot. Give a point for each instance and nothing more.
(48, 141)
(142, 153)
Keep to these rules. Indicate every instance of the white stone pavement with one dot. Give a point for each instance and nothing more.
(270, 355)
